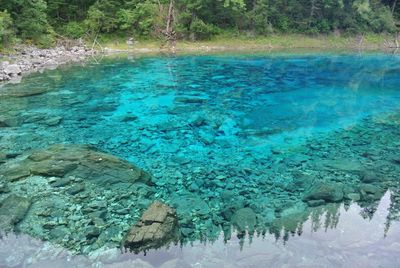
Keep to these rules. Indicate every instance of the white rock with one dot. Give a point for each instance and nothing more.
(4, 64)
(12, 69)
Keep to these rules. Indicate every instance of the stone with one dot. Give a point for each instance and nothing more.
(327, 191)
(76, 160)
(180, 160)
(346, 165)
(3, 123)
(4, 188)
(188, 204)
(91, 232)
(59, 232)
(244, 219)
(12, 70)
(39, 156)
(129, 118)
(191, 100)
(6, 121)
(369, 177)
(229, 127)
(76, 189)
(354, 197)
(206, 137)
(157, 227)
(370, 189)
(13, 210)
(197, 121)
(315, 203)
(61, 182)
(14, 172)
(54, 121)
(50, 168)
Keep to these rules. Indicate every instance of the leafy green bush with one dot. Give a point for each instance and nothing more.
(202, 30)
(74, 30)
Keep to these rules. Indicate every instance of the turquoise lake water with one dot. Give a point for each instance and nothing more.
(275, 155)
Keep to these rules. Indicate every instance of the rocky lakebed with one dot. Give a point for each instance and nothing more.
(113, 164)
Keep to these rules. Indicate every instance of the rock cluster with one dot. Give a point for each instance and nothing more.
(73, 195)
(31, 59)
(157, 227)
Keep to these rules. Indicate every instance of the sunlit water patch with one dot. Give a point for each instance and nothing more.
(243, 145)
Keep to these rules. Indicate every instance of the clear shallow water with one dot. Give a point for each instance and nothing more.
(219, 134)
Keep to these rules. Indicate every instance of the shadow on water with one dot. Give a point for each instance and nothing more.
(286, 160)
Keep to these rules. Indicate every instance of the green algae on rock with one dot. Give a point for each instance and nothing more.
(75, 160)
(12, 211)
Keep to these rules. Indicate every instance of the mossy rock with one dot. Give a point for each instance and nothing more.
(75, 160)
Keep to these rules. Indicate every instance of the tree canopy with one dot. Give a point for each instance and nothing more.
(40, 21)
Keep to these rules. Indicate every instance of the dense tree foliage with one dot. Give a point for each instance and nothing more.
(42, 20)
(6, 29)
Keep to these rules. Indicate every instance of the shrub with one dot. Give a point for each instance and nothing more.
(74, 30)
(202, 30)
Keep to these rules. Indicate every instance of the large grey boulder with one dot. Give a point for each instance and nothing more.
(157, 227)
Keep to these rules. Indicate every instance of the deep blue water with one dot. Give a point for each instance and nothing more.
(223, 132)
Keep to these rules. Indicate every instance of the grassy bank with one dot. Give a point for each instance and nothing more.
(273, 42)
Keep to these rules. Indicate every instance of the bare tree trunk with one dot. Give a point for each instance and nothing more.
(313, 10)
(169, 31)
(394, 6)
(170, 19)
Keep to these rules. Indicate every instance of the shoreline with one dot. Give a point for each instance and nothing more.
(369, 42)
(28, 59)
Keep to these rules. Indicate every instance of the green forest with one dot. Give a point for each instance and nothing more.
(41, 22)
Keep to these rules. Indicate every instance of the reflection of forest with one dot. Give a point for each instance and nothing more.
(321, 219)
(362, 161)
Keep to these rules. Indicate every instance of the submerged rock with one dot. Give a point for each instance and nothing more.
(327, 191)
(53, 121)
(20, 93)
(12, 211)
(370, 177)
(76, 160)
(346, 165)
(76, 189)
(157, 227)
(243, 219)
(8, 121)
